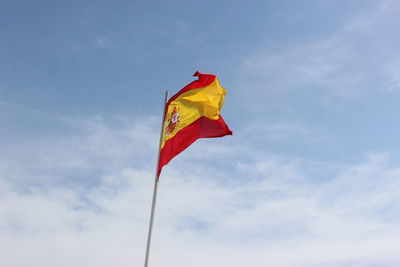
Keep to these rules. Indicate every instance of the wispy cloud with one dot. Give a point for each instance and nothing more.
(103, 42)
(358, 57)
(263, 211)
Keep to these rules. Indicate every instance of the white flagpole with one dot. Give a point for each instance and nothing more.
(153, 204)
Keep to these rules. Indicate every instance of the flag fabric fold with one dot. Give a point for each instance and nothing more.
(192, 113)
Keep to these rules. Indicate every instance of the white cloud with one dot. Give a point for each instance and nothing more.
(265, 211)
(277, 130)
(357, 58)
(102, 42)
(94, 148)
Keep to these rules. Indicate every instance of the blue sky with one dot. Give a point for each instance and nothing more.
(309, 178)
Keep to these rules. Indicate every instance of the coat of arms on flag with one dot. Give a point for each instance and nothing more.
(172, 122)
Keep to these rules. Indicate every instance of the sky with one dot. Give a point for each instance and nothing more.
(310, 178)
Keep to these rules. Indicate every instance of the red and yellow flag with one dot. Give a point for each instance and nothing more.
(192, 113)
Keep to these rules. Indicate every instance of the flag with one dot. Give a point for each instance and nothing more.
(192, 113)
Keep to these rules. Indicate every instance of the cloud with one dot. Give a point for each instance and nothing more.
(103, 42)
(357, 58)
(216, 208)
(81, 155)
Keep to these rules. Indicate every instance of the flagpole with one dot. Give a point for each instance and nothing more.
(153, 204)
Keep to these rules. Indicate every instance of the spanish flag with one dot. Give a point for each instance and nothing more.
(192, 113)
